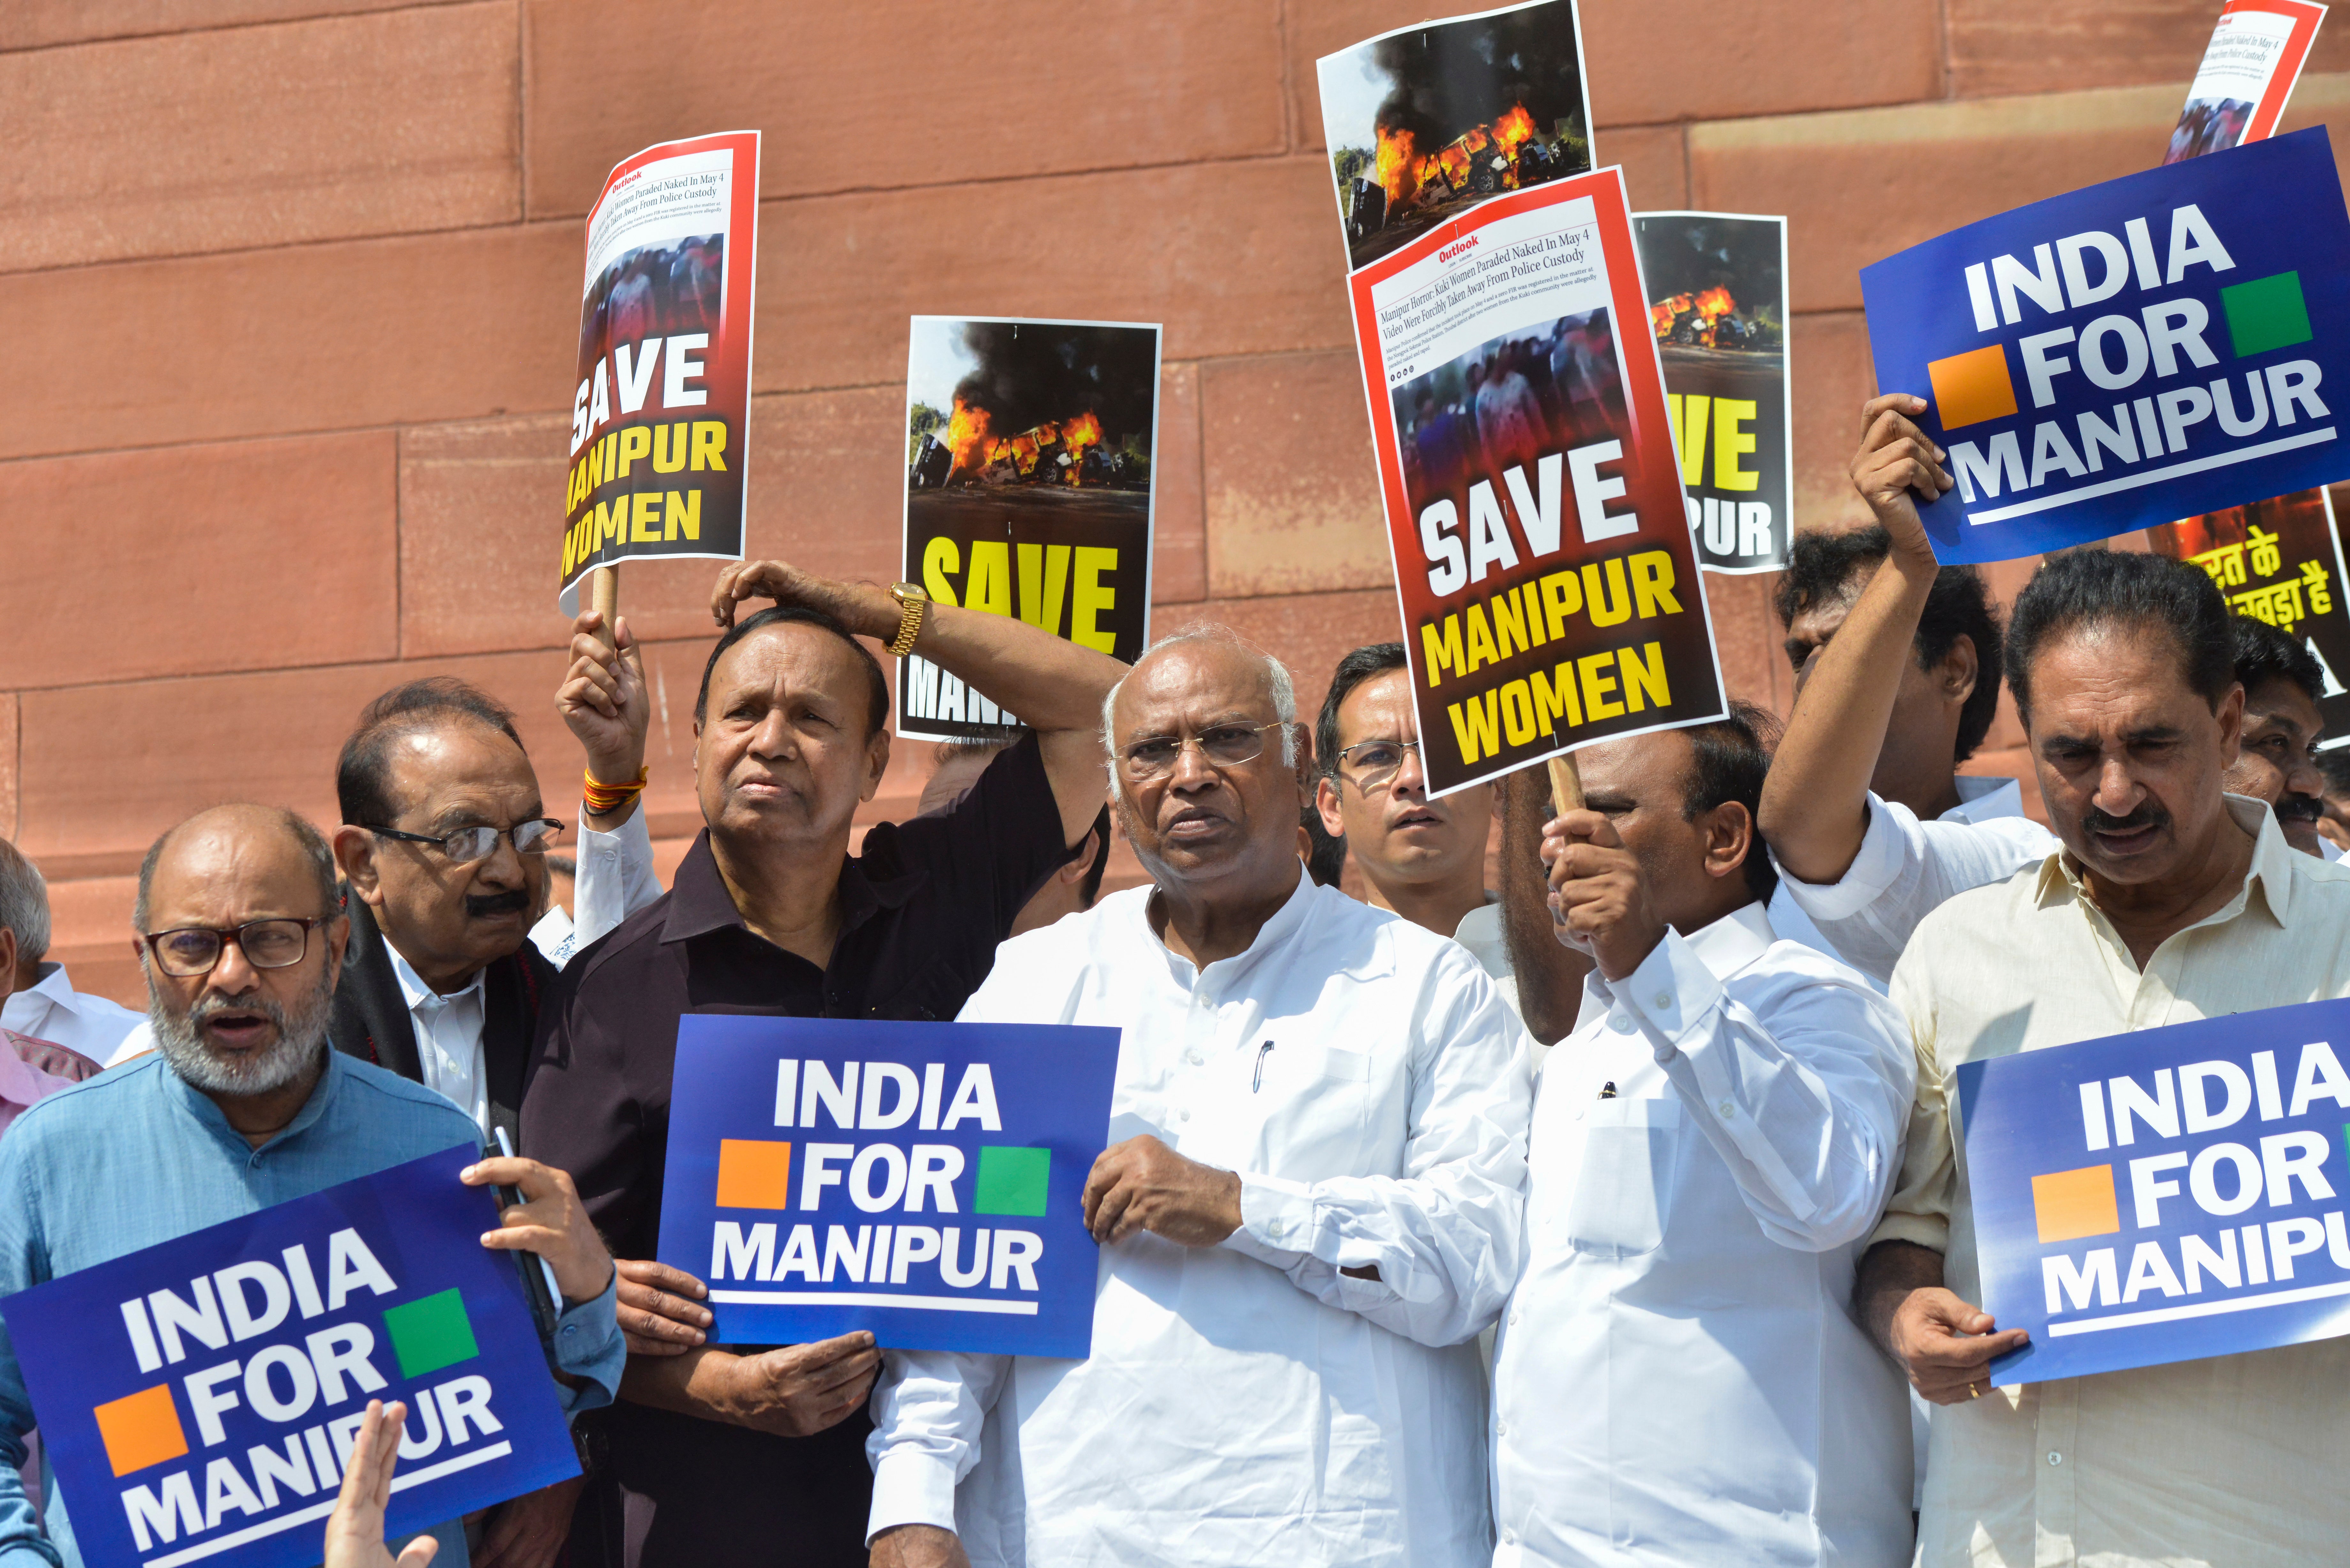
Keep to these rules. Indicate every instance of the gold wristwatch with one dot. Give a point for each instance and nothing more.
(913, 604)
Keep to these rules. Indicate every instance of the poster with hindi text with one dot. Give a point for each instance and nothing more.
(661, 412)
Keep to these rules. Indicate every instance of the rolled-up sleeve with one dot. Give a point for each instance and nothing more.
(1445, 1235)
(1905, 870)
(927, 1410)
(588, 1346)
(1808, 1109)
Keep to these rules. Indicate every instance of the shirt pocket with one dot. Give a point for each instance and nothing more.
(1623, 1194)
(1315, 1104)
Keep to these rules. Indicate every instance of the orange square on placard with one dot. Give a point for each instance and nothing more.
(2073, 1203)
(1972, 387)
(754, 1173)
(140, 1429)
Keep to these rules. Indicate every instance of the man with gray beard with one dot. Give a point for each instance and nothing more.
(240, 932)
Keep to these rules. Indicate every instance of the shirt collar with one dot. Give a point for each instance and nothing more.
(208, 1115)
(1281, 925)
(1733, 941)
(1985, 799)
(54, 985)
(699, 902)
(2270, 878)
(20, 1082)
(421, 996)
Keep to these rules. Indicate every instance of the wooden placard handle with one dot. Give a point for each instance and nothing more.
(1565, 785)
(604, 599)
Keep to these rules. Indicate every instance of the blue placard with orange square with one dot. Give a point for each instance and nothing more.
(2157, 346)
(2165, 1195)
(198, 1399)
(921, 1180)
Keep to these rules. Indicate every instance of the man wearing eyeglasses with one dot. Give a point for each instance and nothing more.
(1310, 1208)
(1424, 859)
(240, 932)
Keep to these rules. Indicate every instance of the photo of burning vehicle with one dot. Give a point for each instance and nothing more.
(1424, 122)
(1718, 305)
(1507, 402)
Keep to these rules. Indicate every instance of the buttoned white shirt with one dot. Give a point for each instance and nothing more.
(449, 1054)
(1679, 1380)
(52, 1010)
(1248, 1402)
(1906, 869)
(1481, 932)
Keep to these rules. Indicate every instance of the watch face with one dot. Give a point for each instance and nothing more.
(908, 591)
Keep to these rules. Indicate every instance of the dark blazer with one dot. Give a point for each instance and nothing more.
(373, 1022)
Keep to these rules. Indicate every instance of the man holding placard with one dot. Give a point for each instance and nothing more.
(2170, 902)
(1309, 1208)
(243, 1107)
(754, 1458)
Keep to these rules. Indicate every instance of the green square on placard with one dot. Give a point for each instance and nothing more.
(430, 1333)
(1012, 1181)
(2266, 313)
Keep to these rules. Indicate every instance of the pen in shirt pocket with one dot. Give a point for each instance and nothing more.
(1257, 1082)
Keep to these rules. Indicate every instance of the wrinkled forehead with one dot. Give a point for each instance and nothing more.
(1379, 709)
(2110, 678)
(790, 657)
(1189, 684)
(458, 763)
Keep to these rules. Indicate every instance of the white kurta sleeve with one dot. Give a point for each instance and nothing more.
(1907, 869)
(1807, 1106)
(928, 1409)
(615, 880)
(1445, 1233)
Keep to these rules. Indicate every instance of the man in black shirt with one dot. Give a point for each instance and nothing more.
(723, 1458)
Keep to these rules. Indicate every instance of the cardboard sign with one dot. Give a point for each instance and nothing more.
(1718, 305)
(2164, 1195)
(1424, 122)
(661, 413)
(2248, 72)
(2280, 561)
(198, 1399)
(1031, 465)
(1550, 589)
(2166, 344)
(921, 1180)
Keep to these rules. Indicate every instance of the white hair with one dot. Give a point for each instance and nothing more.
(24, 904)
(1283, 689)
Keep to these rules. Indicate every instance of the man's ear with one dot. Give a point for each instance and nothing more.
(1960, 668)
(355, 851)
(1327, 803)
(338, 941)
(1729, 839)
(876, 762)
(2231, 715)
(8, 961)
(1307, 785)
(1081, 859)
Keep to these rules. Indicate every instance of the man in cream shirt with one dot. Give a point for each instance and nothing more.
(2168, 902)
(1309, 1208)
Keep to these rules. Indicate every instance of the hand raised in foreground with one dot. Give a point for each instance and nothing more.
(1143, 1185)
(603, 698)
(1600, 899)
(1897, 466)
(661, 1311)
(1946, 1345)
(918, 1546)
(860, 607)
(355, 1530)
(550, 1221)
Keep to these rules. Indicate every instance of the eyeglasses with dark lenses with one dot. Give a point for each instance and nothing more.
(468, 844)
(189, 950)
(1373, 765)
(1223, 746)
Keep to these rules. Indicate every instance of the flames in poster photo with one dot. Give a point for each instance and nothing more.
(1048, 404)
(1470, 99)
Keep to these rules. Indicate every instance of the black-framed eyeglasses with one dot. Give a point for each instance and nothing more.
(1372, 764)
(190, 950)
(1223, 745)
(468, 844)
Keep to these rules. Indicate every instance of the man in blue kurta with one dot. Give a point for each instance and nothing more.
(240, 929)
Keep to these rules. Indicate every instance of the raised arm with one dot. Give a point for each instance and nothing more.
(1550, 974)
(1815, 802)
(1055, 687)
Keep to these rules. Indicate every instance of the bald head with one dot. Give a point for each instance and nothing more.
(239, 841)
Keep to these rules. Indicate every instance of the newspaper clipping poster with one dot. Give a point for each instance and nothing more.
(2278, 561)
(1550, 589)
(2247, 73)
(1424, 122)
(1031, 447)
(659, 420)
(1718, 305)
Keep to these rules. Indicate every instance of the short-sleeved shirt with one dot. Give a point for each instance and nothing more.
(922, 908)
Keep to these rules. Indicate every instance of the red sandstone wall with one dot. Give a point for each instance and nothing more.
(289, 319)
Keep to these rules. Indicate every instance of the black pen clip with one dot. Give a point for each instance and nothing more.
(1608, 1090)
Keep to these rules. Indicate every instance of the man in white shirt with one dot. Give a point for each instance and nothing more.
(35, 997)
(1896, 679)
(1310, 1206)
(1679, 1379)
(1424, 859)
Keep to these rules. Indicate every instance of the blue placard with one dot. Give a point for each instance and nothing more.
(921, 1180)
(198, 1399)
(2165, 1195)
(2155, 347)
